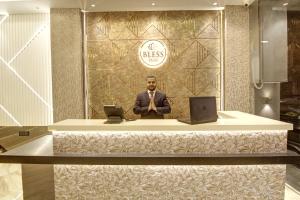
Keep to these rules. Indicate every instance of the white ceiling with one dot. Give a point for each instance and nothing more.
(29, 6)
(37, 6)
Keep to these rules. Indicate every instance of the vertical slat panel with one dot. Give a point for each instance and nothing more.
(25, 69)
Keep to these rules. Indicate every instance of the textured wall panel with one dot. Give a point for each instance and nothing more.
(25, 70)
(115, 74)
(213, 182)
(67, 70)
(237, 79)
(6, 119)
(170, 142)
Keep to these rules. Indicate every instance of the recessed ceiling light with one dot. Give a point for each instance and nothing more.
(153, 4)
(93, 5)
(215, 3)
(264, 41)
(285, 4)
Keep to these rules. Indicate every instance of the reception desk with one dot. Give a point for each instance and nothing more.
(233, 133)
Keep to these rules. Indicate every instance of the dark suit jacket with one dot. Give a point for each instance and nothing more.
(142, 103)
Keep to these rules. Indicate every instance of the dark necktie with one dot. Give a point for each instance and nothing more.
(151, 94)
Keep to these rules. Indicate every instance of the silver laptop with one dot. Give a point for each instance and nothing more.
(202, 110)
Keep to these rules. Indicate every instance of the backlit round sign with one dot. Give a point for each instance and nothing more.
(153, 53)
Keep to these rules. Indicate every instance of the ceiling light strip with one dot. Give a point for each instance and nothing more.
(4, 18)
(28, 42)
(13, 0)
(25, 83)
(10, 115)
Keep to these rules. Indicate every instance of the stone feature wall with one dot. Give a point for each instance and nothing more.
(238, 91)
(67, 65)
(116, 75)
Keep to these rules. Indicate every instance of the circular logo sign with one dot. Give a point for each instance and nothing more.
(153, 53)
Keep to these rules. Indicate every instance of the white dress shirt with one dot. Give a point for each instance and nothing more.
(150, 94)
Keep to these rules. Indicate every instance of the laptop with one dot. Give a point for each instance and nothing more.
(202, 110)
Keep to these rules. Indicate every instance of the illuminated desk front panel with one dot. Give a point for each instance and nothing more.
(235, 133)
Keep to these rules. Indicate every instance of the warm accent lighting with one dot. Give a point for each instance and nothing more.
(12, 0)
(266, 100)
(215, 3)
(153, 4)
(264, 41)
(41, 29)
(25, 83)
(10, 115)
(93, 5)
(285, 4)
(8, 64)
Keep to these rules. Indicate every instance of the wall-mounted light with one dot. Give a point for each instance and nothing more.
(264, 41)
(267, 100)
(153, 3)
(215, 4)
(285, 4)
(93, 5)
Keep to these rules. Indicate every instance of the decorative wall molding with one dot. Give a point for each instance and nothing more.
(25, 70)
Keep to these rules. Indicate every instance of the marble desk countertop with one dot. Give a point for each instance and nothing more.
(228, 120)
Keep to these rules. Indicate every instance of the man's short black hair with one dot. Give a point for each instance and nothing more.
(151, 76)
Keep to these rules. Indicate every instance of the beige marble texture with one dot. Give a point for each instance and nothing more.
(11, 182)
(169, 182)
(227, 121)
(170, 142)
(116, 75)
(67, 65)
(238, 90)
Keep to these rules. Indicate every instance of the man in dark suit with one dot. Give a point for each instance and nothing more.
(151, 104)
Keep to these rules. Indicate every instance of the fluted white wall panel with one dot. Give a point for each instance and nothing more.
(25, 70)
(6, 119)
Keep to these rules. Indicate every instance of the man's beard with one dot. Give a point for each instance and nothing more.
(152, 89)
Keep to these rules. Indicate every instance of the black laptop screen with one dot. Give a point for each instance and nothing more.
(203, 109)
